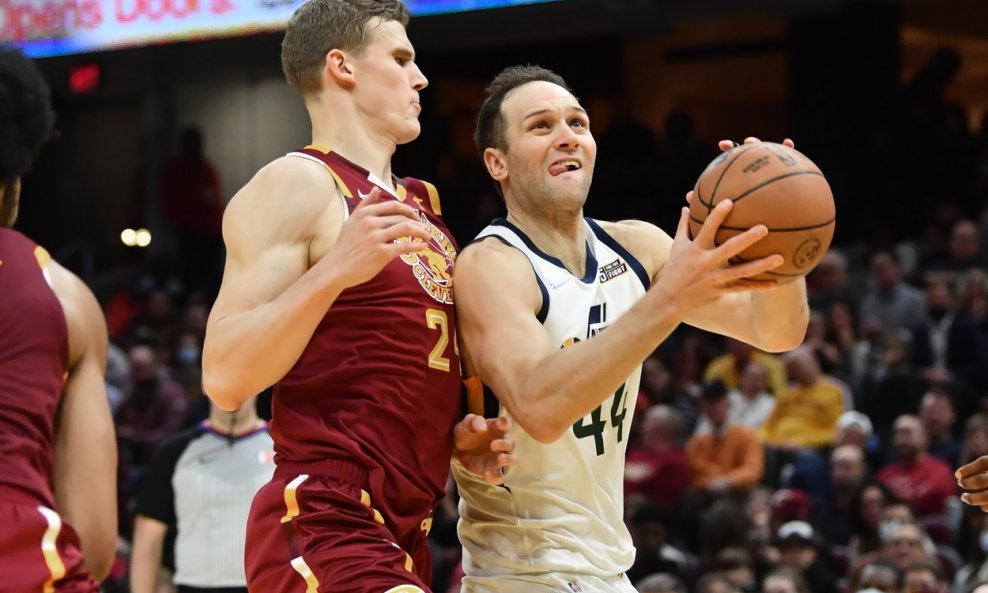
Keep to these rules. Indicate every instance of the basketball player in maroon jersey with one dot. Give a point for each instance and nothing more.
(57, 450)
(338, 290)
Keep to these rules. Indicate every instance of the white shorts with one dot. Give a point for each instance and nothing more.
(548, 583)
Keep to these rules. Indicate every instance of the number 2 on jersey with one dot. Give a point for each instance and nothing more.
(595, 428)
(436, 319)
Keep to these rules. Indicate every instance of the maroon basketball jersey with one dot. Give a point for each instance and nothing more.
(379, 381)
(33, 355)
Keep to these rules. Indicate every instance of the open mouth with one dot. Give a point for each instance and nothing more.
(560, 167)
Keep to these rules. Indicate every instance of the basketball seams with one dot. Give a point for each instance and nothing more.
(742, 229)
(713, 195)
(768, 182)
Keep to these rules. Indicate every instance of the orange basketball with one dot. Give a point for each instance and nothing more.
(779, 187)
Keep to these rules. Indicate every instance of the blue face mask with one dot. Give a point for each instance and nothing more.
(187, 355)
(983, 541)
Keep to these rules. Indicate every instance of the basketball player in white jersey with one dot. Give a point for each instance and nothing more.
(535, 294)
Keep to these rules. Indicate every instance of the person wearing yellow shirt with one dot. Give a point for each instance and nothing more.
(806, 413)
(728, 367)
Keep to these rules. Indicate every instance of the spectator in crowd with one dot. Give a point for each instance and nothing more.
(869, 503)
(660, 387)
(652, 528)
(833, 512)
(715, 582)
(660, 582)
(916, 477)
(750, 403)
(799, 551)
(154, 406)
(923, 577)
(878, 576)
(192, 200)
(727, 458)
(785, 580)
(737, 564)
(658, 469)
(806, 413)
(889, 300)
(947, 345)
(936, 412)
(729, 366)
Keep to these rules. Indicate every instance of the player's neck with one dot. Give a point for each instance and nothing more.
(562, 235)
(346, 134)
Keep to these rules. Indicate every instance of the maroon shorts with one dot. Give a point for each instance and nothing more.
(40, 552)
(309, 533)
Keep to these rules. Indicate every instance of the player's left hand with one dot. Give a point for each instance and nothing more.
(484, 447)
(726, 145)
(973, 477)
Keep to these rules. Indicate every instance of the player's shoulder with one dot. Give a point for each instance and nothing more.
(490, 265)
(491, 251)
(631, 230)
(287, 184)
(643, 240)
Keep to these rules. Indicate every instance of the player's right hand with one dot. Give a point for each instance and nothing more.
(375, 233)
(697, 271)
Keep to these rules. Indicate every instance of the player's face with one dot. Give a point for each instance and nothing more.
(550, 151)
(388, 82)
(10, 195)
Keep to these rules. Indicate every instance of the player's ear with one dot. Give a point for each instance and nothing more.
(496, 166)
(339, 67)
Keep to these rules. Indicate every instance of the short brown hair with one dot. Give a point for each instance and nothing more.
(319, 26)
(489, 132)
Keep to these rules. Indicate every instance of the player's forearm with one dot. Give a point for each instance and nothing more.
(780, 317)
(247, 352)
(571, 382)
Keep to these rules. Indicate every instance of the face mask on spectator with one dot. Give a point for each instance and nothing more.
(983, 541)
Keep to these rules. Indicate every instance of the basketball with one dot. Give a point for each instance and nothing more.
(779, 187)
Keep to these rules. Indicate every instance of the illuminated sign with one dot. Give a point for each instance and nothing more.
(56, 27)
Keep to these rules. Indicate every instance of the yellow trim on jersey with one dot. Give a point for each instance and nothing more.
(409, 563)
(433, 197)
(405, 589)
(311, 582)
(291, 498)
(401, 192)
(43, 257)
(49, 548)
(475, 395)
(339, 182)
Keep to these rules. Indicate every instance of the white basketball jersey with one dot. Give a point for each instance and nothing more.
(561, 509)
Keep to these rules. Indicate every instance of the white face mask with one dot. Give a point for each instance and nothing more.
(983, 541)
(885, 530)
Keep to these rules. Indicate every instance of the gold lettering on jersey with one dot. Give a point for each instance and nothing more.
(612, 270)
(433, 266)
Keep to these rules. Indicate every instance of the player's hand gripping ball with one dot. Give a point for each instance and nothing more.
(779, 187)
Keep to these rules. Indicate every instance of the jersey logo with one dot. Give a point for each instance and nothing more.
(433, 266)
(612, 270)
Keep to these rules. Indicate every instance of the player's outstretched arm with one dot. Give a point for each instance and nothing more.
(85, 476)
(547, 389)
(271, 299)
(973, 477)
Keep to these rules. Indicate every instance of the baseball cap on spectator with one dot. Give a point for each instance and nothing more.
(855, 419)
(790, 504)
(796, 531)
